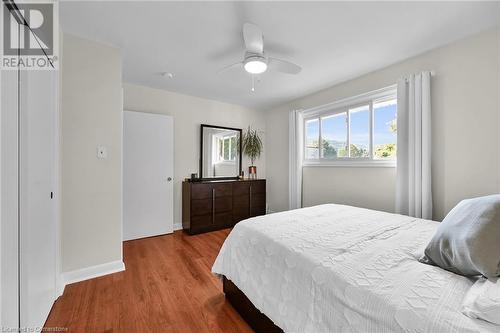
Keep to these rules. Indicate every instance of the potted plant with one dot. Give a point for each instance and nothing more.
(252, 147)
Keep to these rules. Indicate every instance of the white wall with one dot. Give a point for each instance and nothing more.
(91, 188)
(189, 113)
(466, 142)
(362, 187)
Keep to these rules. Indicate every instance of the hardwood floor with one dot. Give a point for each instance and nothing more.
(167, 287)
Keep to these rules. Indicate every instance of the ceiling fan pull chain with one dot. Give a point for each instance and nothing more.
(253, 82)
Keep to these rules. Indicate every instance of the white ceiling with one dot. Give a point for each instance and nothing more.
(332, 41)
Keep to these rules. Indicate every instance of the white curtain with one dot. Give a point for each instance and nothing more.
(295, 148)
(413, 185)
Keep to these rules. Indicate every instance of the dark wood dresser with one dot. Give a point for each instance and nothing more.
(213, 205)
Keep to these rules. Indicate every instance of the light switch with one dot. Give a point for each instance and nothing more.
(102, 152)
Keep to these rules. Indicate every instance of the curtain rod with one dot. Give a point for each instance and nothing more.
(406, 77)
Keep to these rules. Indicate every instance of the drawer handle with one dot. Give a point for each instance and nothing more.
(213, 206)
(250, 203)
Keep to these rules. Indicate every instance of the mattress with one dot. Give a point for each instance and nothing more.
(336, 268)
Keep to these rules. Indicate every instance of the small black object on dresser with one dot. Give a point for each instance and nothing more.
(214, 205)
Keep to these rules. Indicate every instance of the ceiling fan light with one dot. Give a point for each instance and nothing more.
(255, 66)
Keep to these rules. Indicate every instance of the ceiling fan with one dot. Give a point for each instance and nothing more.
(255, 60)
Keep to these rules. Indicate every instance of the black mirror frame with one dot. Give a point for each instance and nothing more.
(201, 152)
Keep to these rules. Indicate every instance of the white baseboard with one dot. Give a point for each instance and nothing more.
(90, 273)
(60, 288)
(177, 226)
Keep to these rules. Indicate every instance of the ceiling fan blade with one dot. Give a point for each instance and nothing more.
(283, 66)
(254, 41)
(236, 65)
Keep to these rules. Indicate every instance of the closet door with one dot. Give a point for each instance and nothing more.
(37, 228)
(28, 212)
(148, 168)
(9, 288)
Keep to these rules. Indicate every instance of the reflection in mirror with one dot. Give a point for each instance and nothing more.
(220, 152)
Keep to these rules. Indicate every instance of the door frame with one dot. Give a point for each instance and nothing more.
(58, 182)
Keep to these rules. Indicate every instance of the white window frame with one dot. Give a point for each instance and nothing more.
(223, 138)
(343, 106)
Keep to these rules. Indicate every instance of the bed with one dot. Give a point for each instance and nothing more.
(336, 268)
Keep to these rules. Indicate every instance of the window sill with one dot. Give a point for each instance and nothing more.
(351, 164)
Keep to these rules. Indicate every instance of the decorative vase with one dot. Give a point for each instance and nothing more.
(252, 171)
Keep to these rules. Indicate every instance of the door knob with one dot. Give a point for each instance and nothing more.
(169, 179)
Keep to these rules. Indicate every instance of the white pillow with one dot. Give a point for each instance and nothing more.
(482, 301)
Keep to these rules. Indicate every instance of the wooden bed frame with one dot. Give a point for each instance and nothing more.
(256, 319)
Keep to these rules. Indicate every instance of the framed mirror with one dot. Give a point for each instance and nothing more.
(220, 152)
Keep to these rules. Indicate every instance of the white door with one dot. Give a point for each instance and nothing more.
(9, 282)
(29, 253)
(37, 223)
(148, 169)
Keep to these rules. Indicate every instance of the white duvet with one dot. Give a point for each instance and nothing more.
(334, 268)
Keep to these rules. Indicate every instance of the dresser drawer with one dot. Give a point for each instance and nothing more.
(201, 221)
(242, 188)
(258, 186)
(201, 191)
(241, 211)
(258, 210)
(223, 204)
(241, 201)
(223, 190)
(224, 220)
(258, 199)
(201, 207)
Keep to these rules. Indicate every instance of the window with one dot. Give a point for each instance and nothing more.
(334, 136)
(384, 129)
(360, 130)
(226, 148)
(312, 139)
(359, 125)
